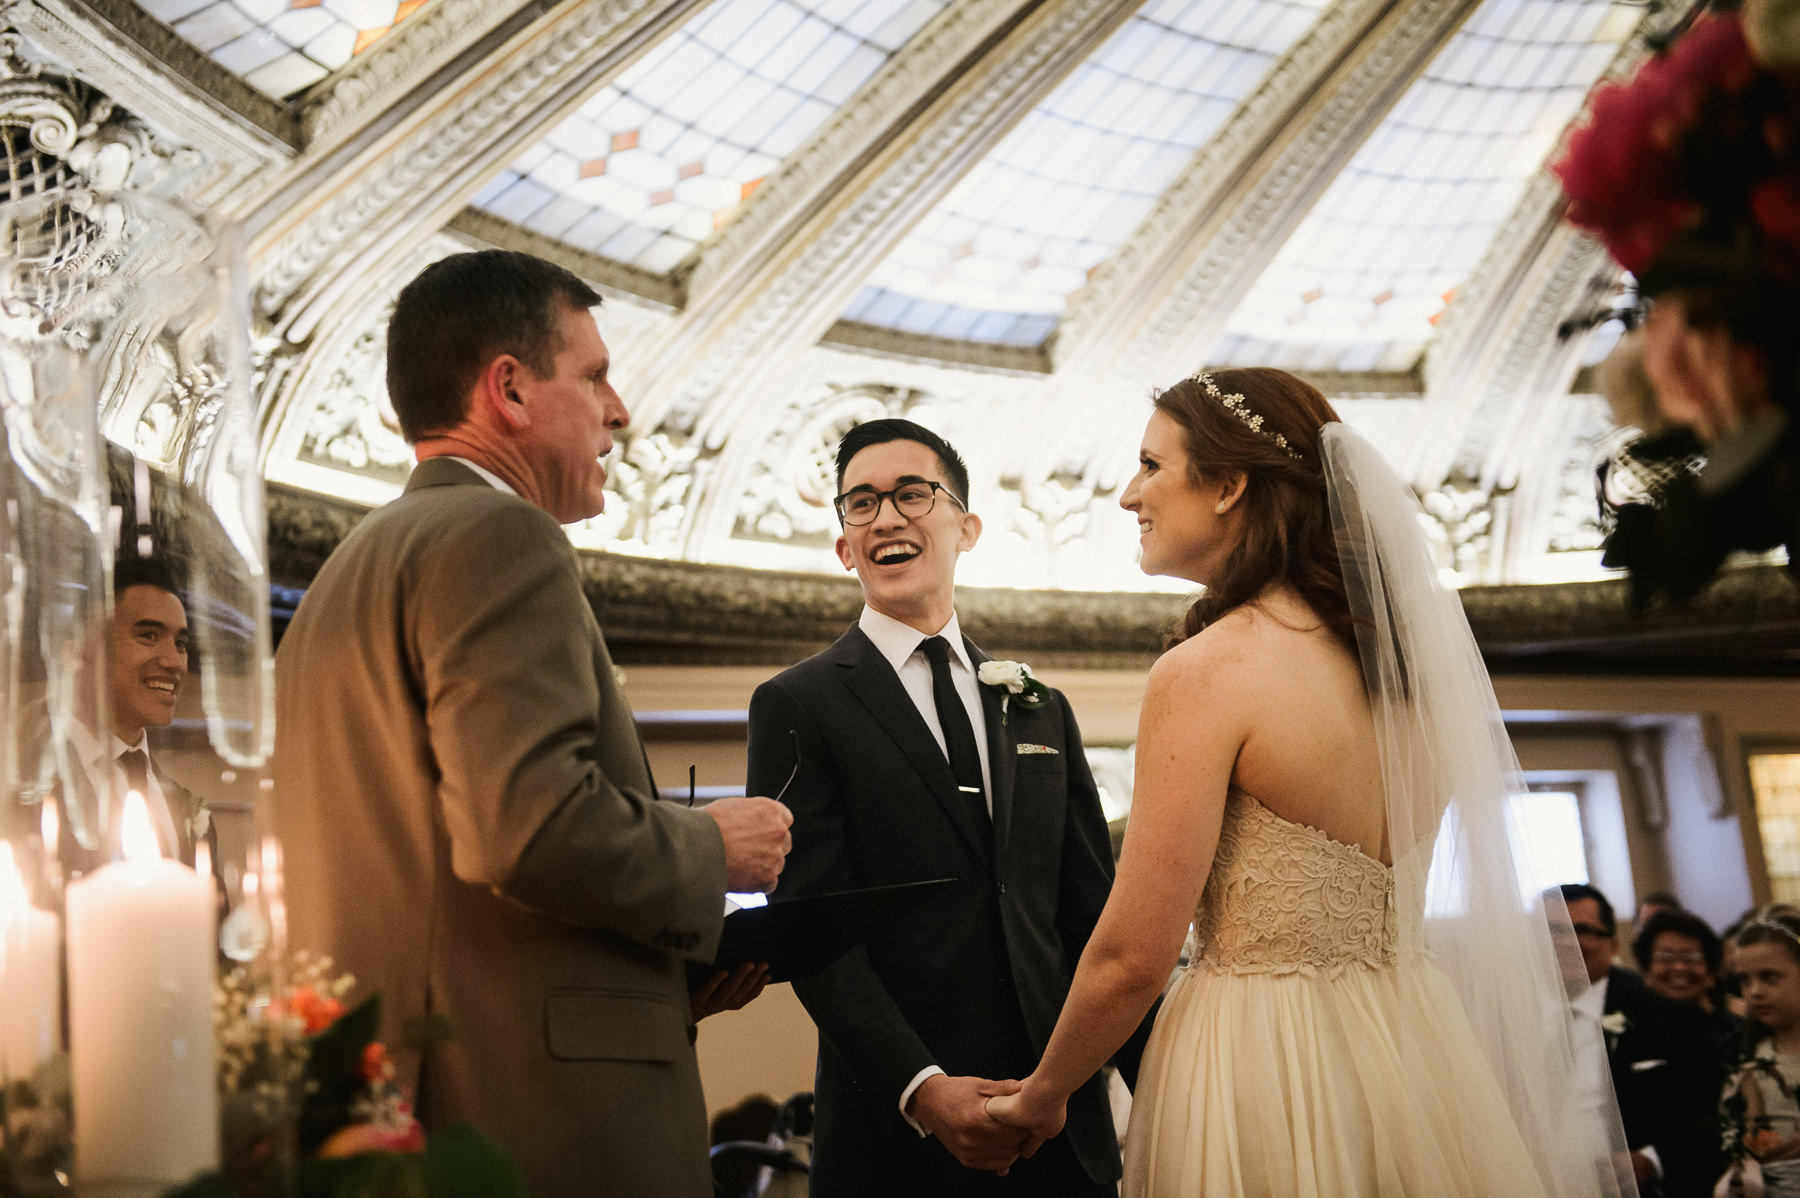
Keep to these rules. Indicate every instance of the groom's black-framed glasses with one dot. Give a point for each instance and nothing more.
(911, 500)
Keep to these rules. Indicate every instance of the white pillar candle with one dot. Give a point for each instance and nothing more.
(30, 981)
(140, 1020)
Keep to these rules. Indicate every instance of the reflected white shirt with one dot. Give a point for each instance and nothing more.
(96, 756)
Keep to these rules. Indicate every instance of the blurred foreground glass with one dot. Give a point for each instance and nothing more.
(127, 318)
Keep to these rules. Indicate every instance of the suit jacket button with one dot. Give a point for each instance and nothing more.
(1001, 887)
(1002, 985)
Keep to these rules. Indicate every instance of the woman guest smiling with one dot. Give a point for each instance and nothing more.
(1682, 957)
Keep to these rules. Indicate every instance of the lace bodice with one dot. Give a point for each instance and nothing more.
(1286, 898)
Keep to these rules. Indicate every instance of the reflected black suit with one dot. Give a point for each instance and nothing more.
(973, 979)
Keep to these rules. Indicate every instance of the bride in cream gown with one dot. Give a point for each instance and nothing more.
(1368, 1007)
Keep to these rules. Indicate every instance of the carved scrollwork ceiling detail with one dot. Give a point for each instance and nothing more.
(221, 156)
(74, 160)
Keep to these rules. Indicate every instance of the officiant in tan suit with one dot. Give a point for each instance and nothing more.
(468, 816)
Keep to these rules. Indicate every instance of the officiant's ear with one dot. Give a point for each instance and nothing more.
(499, 391)
(1230, 489)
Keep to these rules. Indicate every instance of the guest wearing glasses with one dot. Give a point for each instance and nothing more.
(1659, 1055)
(1682, 958)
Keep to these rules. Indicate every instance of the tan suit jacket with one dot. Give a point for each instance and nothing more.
(470, 827)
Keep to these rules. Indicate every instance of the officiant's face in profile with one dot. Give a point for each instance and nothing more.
(906, 564)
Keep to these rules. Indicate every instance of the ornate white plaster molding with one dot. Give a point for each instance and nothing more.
(1119, 287)
(851, 132)
(321, 237)
(403, 58)
(747, 346)
(237, 148)
(1281, 189)
(1468, 322)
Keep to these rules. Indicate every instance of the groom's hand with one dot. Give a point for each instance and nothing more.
(954, 1109)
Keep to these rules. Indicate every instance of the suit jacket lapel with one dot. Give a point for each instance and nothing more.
(873, 681)
(1002, 754)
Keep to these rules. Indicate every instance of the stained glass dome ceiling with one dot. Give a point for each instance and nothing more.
(998, 258)
(656, 161)
(1362, 282)
(282, 46)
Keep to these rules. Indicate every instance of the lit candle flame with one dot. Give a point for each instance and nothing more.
(202, 858)
(136, 833)
(51, 826)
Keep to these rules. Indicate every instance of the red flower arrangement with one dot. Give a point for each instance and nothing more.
(1623, 170)
(1689, 174)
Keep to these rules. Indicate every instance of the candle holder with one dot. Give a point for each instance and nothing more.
(136, 684)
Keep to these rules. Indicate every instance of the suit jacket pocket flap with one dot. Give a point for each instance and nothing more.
(614, 1025)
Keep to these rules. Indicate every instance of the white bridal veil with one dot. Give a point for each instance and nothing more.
(1447, 763)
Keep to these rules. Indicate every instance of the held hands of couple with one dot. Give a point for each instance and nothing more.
(952, 1109)
(1038, 1117)
(756, 841)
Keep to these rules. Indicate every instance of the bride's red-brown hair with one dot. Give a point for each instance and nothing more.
(1287, 536)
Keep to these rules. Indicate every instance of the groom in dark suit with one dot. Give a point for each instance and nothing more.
(910, 768)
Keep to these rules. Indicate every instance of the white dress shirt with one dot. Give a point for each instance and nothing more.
(488, 476)
(899, 643)
(97, 756)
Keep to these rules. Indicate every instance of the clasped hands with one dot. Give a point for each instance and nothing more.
(986, 1125)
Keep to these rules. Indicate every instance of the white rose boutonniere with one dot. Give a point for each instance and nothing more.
(1013, 678)
(200, 821)
(1614, 1025)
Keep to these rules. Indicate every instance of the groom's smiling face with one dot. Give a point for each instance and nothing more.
(907, 565)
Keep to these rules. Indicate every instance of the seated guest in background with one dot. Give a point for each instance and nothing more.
(1682, 957)
(1660, 1055)
(469, 819)
(147, 662)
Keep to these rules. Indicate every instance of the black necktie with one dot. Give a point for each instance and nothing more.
(137, 771)
(959, 734)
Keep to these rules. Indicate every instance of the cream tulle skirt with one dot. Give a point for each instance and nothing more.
(1359, 1082)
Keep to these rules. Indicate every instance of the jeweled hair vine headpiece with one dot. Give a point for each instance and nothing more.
(1239, 407)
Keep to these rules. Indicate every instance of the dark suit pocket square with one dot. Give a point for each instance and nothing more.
(1025, 750)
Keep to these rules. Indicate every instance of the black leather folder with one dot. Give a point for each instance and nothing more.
(799, 937)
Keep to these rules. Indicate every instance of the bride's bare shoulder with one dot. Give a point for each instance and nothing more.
(1219, 655)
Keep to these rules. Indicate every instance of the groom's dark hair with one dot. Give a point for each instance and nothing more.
(461, 313)
(879, 432)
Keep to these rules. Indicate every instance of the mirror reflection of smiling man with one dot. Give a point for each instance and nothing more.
(910, 770)
(147, 663)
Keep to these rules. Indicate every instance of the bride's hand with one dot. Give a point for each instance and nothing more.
(1033, 1112)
